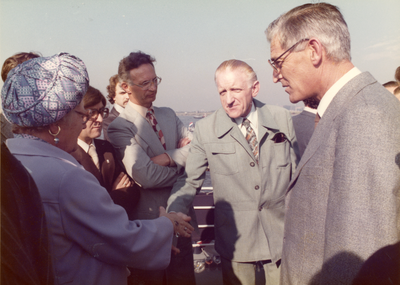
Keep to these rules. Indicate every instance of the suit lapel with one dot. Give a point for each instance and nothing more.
(143, 129)
(338, 104)
(166, 123)
(86, 161)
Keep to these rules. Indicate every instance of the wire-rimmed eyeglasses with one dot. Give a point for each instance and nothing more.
(147, 84)
(274, 62)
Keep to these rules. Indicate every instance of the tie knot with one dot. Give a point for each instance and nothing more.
(246, 122)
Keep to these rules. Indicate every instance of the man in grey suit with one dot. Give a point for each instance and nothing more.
(153, 144)
(304, 124)
(342, 203)
(248, 147)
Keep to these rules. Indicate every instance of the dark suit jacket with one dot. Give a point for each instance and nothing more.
(304, 127)
(110, 168)
(106, 122)
(25, 251)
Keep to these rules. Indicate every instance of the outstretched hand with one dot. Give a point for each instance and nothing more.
(180, 222)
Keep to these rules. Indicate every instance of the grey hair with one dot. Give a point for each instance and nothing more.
(234, 64)
(320, 20)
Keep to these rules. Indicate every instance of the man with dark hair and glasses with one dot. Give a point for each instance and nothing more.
(153, 145)
(98, 156)
(343, 201)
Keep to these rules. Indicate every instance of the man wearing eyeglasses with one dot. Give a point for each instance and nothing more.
(343, 201)
(153, 145)
(98, 156)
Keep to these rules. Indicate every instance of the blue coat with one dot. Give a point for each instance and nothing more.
(91, 239)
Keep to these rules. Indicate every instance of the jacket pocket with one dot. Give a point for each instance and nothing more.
(282, 153)
(223, 158)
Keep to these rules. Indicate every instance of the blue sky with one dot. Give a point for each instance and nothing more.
(188, 38)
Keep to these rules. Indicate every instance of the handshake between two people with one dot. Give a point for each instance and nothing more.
(180, 221)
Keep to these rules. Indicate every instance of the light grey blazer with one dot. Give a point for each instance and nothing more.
(249, 198)
(136, 142)
(343, 201)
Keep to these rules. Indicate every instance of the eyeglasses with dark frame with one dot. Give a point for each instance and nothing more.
(274, 62)
(147, 84)
(85, 116)
(94, 113)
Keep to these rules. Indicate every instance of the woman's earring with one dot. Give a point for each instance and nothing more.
(56, 139)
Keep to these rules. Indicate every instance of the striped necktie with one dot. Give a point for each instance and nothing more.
(251, 138)
(151, 118)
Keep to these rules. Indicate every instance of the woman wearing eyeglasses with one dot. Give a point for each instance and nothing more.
(98, 156)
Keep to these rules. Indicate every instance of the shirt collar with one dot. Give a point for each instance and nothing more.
(331, 93)
(311, 110)
(84, 145)
(119, 108)
(140, 109)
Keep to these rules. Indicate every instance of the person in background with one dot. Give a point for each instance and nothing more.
(249, 148)
(10, 63)
(153, 144)
(396, 92)
(117, 96)
(304, 124)
(342, 204)
(391, 86)
(91, 239)
(98, 156)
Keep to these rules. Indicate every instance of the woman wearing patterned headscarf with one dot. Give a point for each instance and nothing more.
(91, 239)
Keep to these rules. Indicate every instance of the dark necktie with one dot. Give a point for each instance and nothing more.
(151, 118)
(251, 138)
(316, 121)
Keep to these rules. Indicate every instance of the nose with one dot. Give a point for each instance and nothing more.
(99, 118)
(229, 98)
(153, 86)
(276, 76)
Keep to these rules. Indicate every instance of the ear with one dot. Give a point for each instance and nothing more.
(316, 51)
(255, 88)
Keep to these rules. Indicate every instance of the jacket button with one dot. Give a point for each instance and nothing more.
(252, 164)
(257, 187)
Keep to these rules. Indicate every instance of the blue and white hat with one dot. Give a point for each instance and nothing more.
(41, 91)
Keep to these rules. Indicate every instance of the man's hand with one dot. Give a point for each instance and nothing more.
(183, 142)
(122, 182)
(180, 222)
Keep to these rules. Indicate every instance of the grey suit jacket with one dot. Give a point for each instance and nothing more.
(249, 198)
(304, 127)
(343, 201)
(136, 142)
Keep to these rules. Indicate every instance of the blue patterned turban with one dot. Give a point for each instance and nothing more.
(42, 90)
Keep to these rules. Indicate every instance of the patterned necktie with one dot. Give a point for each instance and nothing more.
(93, 154)
(251, 138)
(316, 121)
(153, 122)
